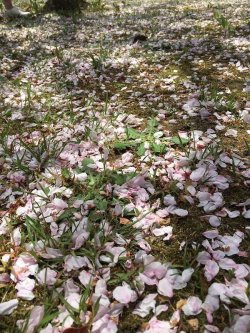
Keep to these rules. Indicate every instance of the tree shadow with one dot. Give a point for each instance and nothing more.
(174, 38)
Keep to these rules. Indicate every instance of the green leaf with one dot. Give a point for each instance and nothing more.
(132, 133)
(48, 318)
(66, 173)
(158, 148)
(87, 161)
(85, 164)
(65, 215)
(152, 123)
(141, 149)
(96, 306)
(95, 217)
(119, 178)
(123, 145)
(101, 204)
(69, 307)
(179, 141)
(93, 179)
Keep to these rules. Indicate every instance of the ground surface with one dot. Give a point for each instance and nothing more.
(124, 150)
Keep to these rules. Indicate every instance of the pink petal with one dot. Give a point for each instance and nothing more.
(189, 199)
(187, 274)
(169, 200)
(227, 263)
(47, 276)
(58, 204)
(212, 328)
(191, 190)
(16, 236)
(25, 289)
(104, 325)
(101, 287)
(74, 300)
(35, 317)
(211, 269)
(197, 174)
(242, 324)
(156, 269)
(158, 326)
(147, 280)
(160, 308)
(74, 262)
(124, 294)
(217, 289)
(85, 278)
(80, 240)
(162, 212)
(211, 234)
(162, 231)
(165, 288)
(203, 257)
(211, 303)
(193, 306)
(145, 306)
(144, 245)
(180, 212)
(214, 221)
(242, 271)
(176, 317)
(232, 214)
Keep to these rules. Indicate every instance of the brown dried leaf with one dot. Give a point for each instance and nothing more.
(165, 221)
(180, 303)
(124, 221)
(194, 324)
(3, 285)
(144, 326)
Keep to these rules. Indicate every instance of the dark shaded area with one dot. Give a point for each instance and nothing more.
(65, 5)
(174, 44)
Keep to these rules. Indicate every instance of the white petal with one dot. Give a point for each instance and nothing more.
(169, 200)
(180, 212)
(247, 214)
(124, 294)
(165, 288)
(160, 308)
(214, 221)
(193, 306)
(35, 317)
(7, 308)
(145, 306)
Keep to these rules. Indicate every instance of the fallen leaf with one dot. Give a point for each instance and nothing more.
(165, 221)
(180, 303)
(124, 221)
(194, 324)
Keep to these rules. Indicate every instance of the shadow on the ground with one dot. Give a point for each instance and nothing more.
(182, 26)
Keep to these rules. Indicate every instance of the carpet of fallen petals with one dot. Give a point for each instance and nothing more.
(124, 169)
